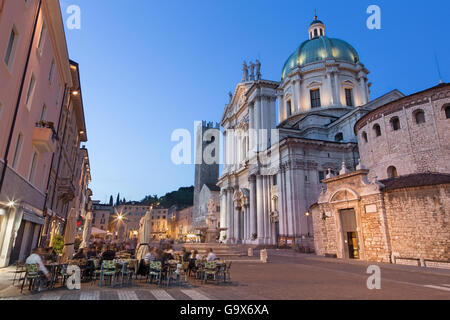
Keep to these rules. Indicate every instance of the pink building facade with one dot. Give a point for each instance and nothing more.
(36, 86)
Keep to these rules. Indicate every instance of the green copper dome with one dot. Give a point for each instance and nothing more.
(319, 49)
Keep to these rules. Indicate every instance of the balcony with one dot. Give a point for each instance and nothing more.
(43, 137)
(66, 190)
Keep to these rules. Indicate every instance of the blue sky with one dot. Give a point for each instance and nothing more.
(150, 67)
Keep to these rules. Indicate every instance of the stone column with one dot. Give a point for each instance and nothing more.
(282, 113)
(294, 101)
(298, 95)
(230, 210)
(237, 220)
(252, 218)
(289, 202)
(330, 88)
(260, 208)
(247, 222)
(337, 88)
(362, 84)
(223, 212)
(257, 121)
(281, 202)
(251, 140)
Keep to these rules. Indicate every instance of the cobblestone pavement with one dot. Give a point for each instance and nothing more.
(287, 276)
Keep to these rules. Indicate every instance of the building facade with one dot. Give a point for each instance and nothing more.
(101, 215)
(36, 94)
(275, 161)
(394, 207)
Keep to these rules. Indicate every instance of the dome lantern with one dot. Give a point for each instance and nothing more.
(316, 29)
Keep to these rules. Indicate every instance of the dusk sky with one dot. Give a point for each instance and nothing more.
(150, 67)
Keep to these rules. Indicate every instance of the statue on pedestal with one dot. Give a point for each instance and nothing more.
(211, 230)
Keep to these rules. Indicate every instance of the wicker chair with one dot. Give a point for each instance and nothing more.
(210, 271)
(32, 276)
(155, 271)
(108, 269)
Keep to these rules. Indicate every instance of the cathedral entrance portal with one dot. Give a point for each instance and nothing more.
(349, 233)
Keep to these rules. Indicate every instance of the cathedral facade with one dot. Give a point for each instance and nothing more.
(282, 138)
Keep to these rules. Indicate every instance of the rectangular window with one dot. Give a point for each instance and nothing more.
(10, 48)
(52, 69)
(349, 97)
(315, 98)
(17, 151)
(43, 113)
(321, 175)
(289, 108)
(33, 167)
(275, 179)
(42, 36)
(30, 92)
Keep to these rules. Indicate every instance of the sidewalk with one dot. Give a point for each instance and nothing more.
(399, 267)
(6, 277)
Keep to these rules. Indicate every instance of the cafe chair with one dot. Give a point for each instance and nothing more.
(32, 277)
(154, 272)
(210, 271)
(108, 269)
(19, 272)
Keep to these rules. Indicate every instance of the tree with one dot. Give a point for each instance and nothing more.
(111, 201)
(118, 199)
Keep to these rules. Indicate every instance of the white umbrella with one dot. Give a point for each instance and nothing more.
(97, 231)
(69, 236)
(144, 236)
(87, 230)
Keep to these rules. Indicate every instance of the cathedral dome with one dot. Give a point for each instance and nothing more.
(319, 48)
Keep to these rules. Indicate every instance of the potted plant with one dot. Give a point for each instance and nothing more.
(254, 236)
(58, 244)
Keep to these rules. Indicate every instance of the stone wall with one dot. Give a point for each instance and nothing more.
(419, 222)
(414, 147)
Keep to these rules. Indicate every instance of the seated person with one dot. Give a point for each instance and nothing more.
(185, 254)
(35, 258)
(151, 256)
(211, 256)
(81, 254)
(108, 254)
(92, 253)
(52, 256)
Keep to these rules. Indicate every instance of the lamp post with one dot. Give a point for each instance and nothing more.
(307, 214)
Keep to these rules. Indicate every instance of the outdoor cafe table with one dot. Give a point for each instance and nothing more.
(53, 268)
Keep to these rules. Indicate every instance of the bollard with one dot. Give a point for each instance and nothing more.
(263, 255)
(250, 252)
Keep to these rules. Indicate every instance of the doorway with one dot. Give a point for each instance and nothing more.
(349, 233)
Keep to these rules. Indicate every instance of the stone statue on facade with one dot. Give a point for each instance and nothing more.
(258, 69)
(252, 71)
(244, 72)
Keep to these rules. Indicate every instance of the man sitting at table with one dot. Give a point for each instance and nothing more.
(211, 256)
(35, 258)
